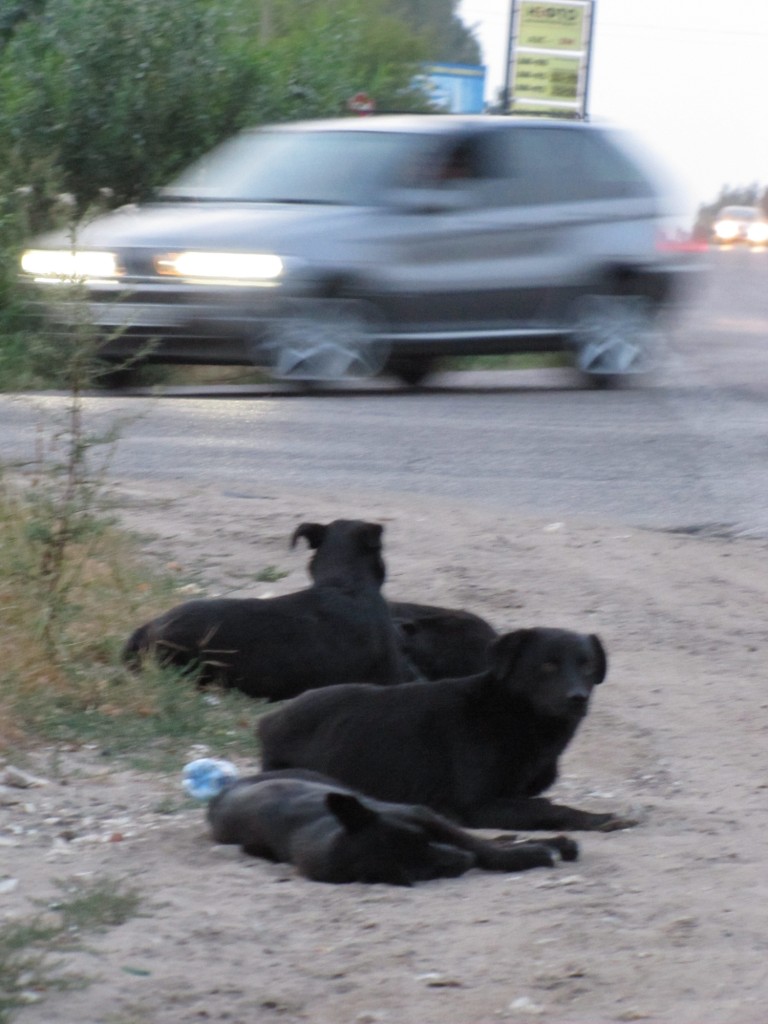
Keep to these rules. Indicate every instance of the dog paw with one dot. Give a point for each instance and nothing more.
(567, 848)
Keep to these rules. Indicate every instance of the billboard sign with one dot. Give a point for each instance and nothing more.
(455, 88)
(549, 56)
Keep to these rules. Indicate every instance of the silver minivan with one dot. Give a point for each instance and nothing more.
(333, 249)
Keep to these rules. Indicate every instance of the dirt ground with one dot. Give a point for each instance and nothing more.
(666, 922)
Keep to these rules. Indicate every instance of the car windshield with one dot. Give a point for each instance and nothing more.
(344, 167)
(739, 213)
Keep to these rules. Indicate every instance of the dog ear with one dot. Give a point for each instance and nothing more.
(504, 652)
(314, 533)
(370, 536)
(352, 814)
(601, 658)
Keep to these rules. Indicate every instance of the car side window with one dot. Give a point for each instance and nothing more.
(462, 160)
(459, 164)
(551, 165)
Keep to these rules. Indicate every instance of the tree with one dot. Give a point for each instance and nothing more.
(120, 94)
(105, 94)
(14, 13)
(319, 54)
(446, 35)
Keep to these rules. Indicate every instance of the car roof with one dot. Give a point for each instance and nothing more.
(739, 211)
(420, 123)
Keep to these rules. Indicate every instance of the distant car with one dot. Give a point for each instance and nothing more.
(333, 249)
(740, 224)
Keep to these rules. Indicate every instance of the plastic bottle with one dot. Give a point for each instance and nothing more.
(207, 776)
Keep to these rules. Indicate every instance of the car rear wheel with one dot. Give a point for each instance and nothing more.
(616, 337)
(326, 340)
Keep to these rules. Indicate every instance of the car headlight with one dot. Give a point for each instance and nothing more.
(758, 233)
(222, 267)
(726, 229)
(69, 265)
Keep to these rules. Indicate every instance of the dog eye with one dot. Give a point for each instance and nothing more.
(548, 667)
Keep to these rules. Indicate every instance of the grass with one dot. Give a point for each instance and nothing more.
(270, 574)
(524, 361)
(66, 683)
(201, 375)
(72, 586)
(28, 948)
(20, 367)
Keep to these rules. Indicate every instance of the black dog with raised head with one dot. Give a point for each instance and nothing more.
(479, 749)
(333, 834)
(337, 630)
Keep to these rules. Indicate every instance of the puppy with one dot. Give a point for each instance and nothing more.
(333, 834)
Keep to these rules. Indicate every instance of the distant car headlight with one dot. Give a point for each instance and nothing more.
(758, 233)
(252, 268)
(69, 265)
(726, 229)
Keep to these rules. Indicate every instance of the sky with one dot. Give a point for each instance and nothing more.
(689, 78)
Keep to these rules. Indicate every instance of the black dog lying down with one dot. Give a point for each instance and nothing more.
(337, 630)
(333, 834)
(479, 749)
(441, 643)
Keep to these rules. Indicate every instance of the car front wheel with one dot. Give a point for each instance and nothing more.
(326, 340)
(616, 337)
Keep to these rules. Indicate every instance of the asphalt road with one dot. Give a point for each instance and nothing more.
(689, 451)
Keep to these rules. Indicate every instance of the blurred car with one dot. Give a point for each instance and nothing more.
(740, 224)
(333, 249)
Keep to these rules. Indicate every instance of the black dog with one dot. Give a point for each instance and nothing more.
(333, 834)
(479, 750)
(337, 630)
(441, 643)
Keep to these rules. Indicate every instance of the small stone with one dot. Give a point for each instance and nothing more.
(552, 883)
(58, 848)
(190, 588)
(435, 979)
(524, 1004)
(12, 776)
(28, 996)
(51, 919)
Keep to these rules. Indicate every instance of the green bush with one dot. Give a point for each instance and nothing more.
(122, 94)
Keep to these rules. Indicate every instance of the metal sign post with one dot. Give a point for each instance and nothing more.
(548, 57)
